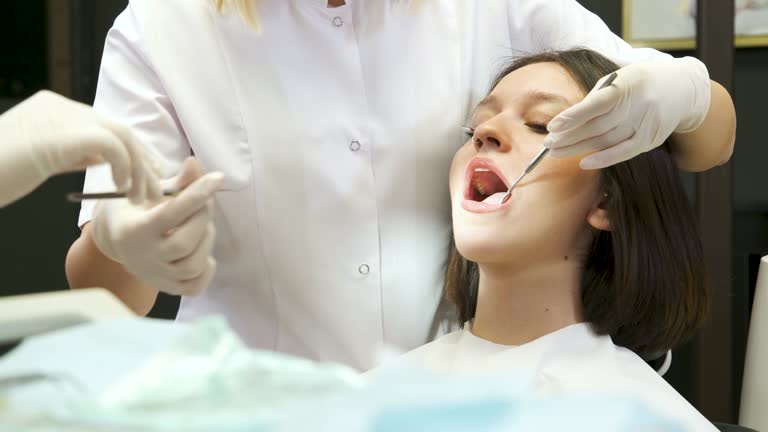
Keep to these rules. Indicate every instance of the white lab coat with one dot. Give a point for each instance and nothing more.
(572, 360)
(335, 129)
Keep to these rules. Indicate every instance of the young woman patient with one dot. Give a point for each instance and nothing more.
(581, 275)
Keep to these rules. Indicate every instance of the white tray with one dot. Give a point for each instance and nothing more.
(29, 315)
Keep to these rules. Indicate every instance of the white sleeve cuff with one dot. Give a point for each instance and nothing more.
(702, 94)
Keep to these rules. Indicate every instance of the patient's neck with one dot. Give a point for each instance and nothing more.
(519, 305)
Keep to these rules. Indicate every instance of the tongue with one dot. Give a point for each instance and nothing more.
(495, 198)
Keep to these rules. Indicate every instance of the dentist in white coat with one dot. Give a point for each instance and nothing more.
(334, 123)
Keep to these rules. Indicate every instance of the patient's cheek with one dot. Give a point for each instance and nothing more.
(553, 169)
(566, 179)
(567, 166)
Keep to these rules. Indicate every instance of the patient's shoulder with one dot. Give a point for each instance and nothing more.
(597, 366)
(635, 376)
(442, 345)
(436, 355)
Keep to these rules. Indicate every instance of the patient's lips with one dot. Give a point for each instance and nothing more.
(485, 187)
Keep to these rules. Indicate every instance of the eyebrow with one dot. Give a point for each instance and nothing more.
(531, 98)
(534, 97)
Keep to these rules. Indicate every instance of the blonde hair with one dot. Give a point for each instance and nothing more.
(244, 7)
(249, 13)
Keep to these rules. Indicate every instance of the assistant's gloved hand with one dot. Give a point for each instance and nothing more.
(166, 245)
(49, 134)
(646, 103)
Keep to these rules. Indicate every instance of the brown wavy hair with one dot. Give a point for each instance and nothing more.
(643, 282)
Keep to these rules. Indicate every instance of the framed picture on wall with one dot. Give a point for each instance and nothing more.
(671, 24)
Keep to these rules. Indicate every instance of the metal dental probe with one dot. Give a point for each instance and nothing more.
(78, 197)
(544, 152)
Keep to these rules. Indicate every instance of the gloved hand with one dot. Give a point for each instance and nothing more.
(167, 245)
(49, 134)
(646, 103)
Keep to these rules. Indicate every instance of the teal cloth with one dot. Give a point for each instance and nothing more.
(159, 376)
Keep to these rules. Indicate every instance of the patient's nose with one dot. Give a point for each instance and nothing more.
(489, 137)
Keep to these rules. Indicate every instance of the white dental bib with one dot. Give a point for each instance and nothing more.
(571, 360)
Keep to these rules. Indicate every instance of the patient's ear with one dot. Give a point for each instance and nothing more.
(598, 215)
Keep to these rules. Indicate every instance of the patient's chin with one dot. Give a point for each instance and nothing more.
(495, 244)
(481, 250)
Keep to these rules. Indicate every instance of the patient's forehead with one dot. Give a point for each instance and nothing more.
(538, 77)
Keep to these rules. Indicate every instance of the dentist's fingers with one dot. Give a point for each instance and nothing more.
(619, 134)
(611, 156)
(194, 198)
(591, 129)
(99, 145)
(596, 104)
(191, 170)
(196, 286)
(144, 181)
(194, 265)
(185, 239)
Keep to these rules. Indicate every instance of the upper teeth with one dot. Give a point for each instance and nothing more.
(482, 170)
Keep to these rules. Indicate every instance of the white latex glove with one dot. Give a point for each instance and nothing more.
(49, 134)
(167, 245)
(646, 103)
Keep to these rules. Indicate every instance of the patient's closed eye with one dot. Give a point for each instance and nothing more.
(539, 128)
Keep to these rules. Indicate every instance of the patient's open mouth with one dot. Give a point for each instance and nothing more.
(486, 186)
(485, 183)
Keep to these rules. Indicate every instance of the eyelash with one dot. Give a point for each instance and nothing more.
(539, 128)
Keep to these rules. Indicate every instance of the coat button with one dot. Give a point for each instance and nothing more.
(364, 269)
(354, 146)
(338, 21)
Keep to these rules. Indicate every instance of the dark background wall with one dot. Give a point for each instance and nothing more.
(40, 227)
(38, 230)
